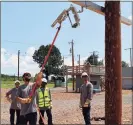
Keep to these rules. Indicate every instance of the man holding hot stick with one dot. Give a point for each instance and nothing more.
(28, 111)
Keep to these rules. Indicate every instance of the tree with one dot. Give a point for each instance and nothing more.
(54, 60)
(124, 64)
(63, 69)
(93, 60)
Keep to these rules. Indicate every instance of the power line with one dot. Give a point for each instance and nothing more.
(22, 43)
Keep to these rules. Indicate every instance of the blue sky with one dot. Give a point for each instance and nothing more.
(30, 24)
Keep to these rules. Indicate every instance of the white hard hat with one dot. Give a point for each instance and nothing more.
(84, 74)
(44, 80)
(17, 81)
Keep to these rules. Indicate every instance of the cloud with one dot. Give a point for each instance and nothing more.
(9, 64)
(130, 17)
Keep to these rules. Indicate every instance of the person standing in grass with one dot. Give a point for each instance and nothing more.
(86, 93)
(15, 106)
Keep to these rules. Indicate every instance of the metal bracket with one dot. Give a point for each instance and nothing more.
(98, 9)
(65, 14)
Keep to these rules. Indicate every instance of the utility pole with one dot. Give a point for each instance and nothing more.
(131, 63)
(113, 81)
(14, 77)
(63, 67)
(18, 62)
(79, 62)
(72, 51)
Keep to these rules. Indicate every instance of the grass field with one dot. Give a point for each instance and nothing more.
(10, 84)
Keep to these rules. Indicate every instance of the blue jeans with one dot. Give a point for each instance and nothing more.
(86, 114)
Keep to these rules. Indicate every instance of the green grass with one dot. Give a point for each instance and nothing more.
(10, 84)
(69, 84)
(7, 84)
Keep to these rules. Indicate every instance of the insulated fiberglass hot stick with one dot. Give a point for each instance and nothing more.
(39, 76)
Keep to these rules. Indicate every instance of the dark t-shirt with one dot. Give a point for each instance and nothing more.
(24, 92)
(14, 104)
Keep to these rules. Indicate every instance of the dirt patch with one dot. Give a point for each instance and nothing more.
(66, 108)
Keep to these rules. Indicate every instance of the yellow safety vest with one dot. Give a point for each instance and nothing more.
(44, 98)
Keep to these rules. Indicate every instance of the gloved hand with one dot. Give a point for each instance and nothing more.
(87, 103)
(9, 99)
(39, 78)
(25, 100)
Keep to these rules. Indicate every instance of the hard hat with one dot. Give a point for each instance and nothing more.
(17, 81)
(84, 74)
(44, 80)
(27, 75)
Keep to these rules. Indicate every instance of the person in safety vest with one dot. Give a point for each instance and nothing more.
(15, 106)
(86, 93)
(44, 102)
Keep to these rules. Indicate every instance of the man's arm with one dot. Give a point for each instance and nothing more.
(50, 95)
(80, 105)
(90, 91)
(89, 95)
(9, 93)
(50, 99)
(37, 98)
(19, 96)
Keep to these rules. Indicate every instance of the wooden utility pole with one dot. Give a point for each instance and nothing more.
(113, 81)
(131, 63)
(18, 62)
(79, 62)
(14, 77)
(72, 51)
(63, 66)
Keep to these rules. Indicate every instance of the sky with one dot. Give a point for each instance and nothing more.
(27, 25)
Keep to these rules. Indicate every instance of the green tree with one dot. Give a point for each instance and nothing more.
(124, 64)
(54, 60)
(93, 60)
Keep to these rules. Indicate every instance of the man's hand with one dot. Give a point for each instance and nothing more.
(39, 78)
(9, 99)
(24, 100)
(87, 103)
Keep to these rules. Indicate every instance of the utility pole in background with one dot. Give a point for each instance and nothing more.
(14, 77)
(131, 62)
(63, 67)
(79, 62)
(72, 51)
(18, 62)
